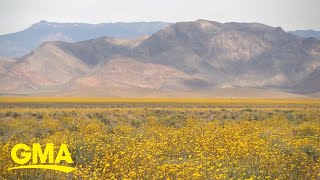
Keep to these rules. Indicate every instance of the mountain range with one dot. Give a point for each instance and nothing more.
(307, 33)
(20, 43)
(187, 59)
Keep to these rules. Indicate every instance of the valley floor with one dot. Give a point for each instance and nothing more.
(167, 138)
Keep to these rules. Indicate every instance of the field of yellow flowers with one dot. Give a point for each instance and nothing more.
(242, 139)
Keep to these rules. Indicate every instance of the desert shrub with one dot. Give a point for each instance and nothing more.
(38, 133)
(32, 114)
(12, 114)
(15, 114)
(39, 116)
(247, 110)
(256, 116)
(175, 121)
(301, 117)
(3, 130)
(89, 116)
(311, 152)
(289, 116)
(72, 127)
(8, 113)
(305, 131)
(136, 123)
(102, 118)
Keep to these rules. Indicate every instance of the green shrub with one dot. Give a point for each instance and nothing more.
(136, 123)
(311, 152)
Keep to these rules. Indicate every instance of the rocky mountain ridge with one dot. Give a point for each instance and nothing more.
(186, 57)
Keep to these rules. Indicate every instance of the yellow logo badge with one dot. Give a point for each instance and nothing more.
(46, 157)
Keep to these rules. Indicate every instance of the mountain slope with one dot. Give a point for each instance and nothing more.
(307, 33)
(91, 52)
(5, 64)
(99, 63)
(56, 63)
(21, 43)
(233, 54)
(126, 73)
(48, 66)
(203, 58)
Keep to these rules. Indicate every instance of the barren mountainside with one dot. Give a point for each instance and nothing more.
(197, 57)
(20, 43)
(234, 54)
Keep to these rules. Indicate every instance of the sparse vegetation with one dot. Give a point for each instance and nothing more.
(170, 141)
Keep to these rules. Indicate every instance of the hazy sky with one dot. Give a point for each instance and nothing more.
(16, 15)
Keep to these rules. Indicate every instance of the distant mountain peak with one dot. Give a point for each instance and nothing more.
(207, 21)
(41, 23)
(307, 33)
(20, 43)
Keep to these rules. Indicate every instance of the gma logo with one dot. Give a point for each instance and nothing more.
(29, 157)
